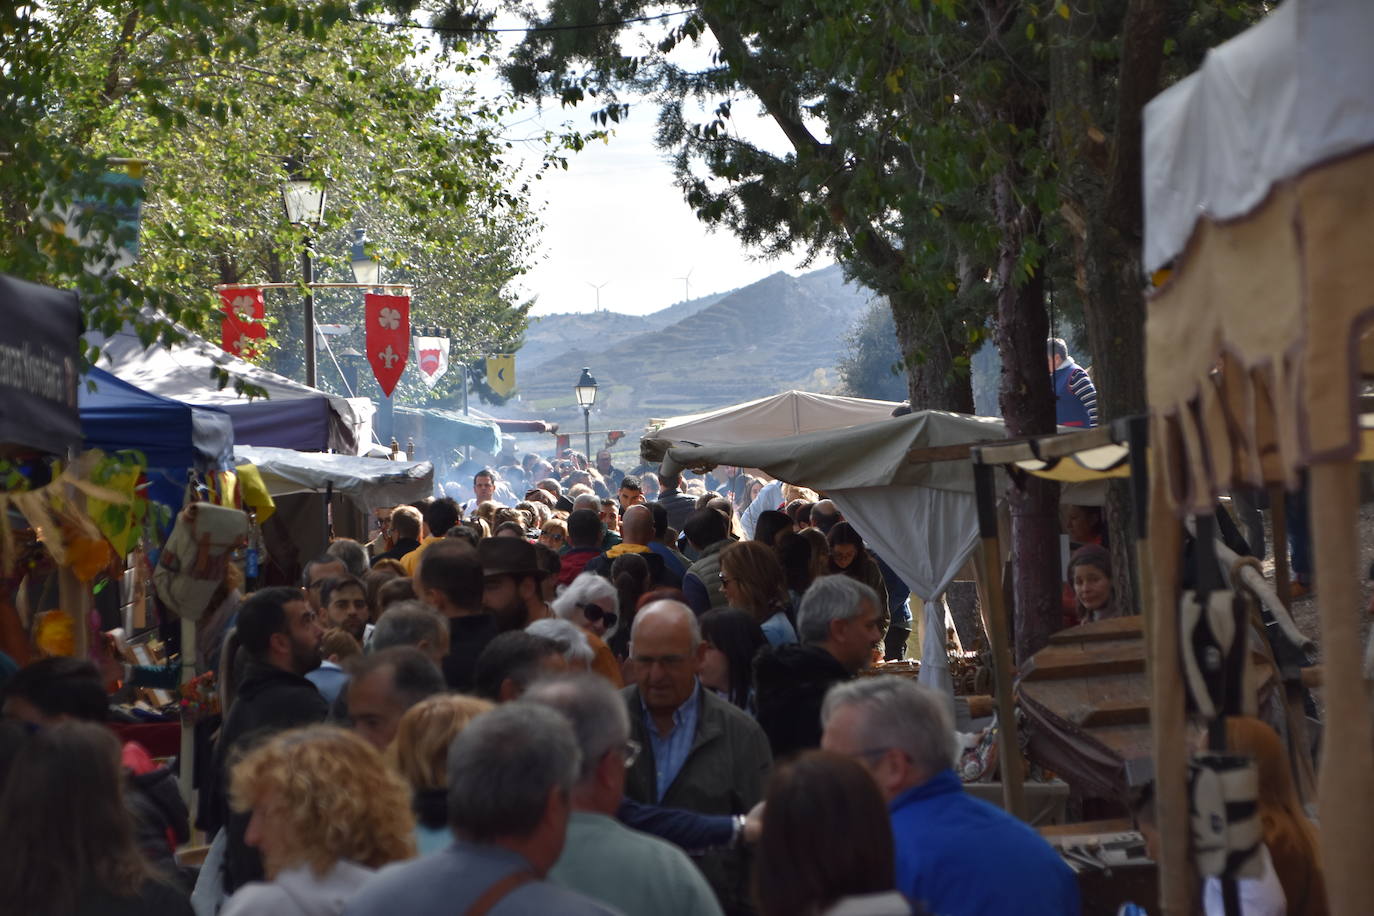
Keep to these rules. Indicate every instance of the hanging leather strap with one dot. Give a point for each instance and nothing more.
(499, 891)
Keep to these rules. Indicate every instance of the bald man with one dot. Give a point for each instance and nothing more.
(700, 752)
(637, 532)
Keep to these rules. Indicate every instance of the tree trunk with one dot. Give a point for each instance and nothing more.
(934, 382)
(1027, 399)
(1028, 408)
(1100, 187)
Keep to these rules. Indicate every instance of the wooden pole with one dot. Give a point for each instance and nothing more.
(185, 759)
(1278, 524)
(1345, 784)
(1177, 884)
(990, 595)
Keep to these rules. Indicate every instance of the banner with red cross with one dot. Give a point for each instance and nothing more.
(241, 324)
(388, 337)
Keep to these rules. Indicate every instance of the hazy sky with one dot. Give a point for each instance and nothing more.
(616, 218)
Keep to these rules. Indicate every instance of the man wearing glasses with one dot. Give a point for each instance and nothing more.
(317, 572)
(628, 870)
(699, 752)
(956, 855)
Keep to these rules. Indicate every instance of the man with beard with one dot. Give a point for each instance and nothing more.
(512, 581)
(280, 634)
(343, 604)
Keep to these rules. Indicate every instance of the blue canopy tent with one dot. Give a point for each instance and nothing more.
(174, 437)
(291, 416)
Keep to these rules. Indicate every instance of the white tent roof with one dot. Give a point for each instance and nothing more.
(870, 455)
(371, 483)
(293, 415)
(785, 414)
(1295, 90)
(919, 515)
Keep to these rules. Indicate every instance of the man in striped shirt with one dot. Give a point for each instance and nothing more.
(1075, 395)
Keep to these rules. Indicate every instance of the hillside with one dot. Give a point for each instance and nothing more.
(781, 332)
(551, 335)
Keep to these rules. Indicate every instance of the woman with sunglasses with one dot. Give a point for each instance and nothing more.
(554, 534)
(590, 602)
(753, 581)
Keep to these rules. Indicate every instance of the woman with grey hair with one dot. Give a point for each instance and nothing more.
(571, 639)
(589, 602)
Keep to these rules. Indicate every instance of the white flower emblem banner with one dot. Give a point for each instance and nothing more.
(387, 320)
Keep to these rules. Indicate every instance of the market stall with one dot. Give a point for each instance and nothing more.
(174, 438)
(906, 485)
(368, 483)
(302, 485)
(788, 414)
(439, 433)
(1259, 209)
(291, 416)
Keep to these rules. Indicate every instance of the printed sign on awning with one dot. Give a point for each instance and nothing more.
(39, 330)
(388, 337)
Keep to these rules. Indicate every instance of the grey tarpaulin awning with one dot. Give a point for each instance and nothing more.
(447, 429)
(370, 483)
(786, 414)
(904, 483)
(919, 516)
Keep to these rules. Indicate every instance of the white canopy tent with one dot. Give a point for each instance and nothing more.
(293, 415)
(369, 483)
(787, 414)
(912, 504)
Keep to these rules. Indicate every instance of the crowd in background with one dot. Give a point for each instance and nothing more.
(621, 693)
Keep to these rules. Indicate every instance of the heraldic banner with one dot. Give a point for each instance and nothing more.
(241, 324)
(431, 354)
(388, 337)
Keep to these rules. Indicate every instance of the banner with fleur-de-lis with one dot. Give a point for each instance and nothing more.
(240, 326)
(388, 337)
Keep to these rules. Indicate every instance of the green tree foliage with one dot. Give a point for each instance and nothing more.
(872, 363)
(886, 164)
(213, 95)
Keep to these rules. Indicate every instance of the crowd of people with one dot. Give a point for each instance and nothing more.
(588, 701)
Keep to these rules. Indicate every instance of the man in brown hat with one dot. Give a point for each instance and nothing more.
(512, 578)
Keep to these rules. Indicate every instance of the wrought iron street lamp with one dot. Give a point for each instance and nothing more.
(366, 269)
(304, 200)
(586, 397)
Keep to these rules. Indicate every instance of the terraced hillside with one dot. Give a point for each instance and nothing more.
(782, 332)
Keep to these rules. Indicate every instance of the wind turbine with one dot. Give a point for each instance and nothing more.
(598, 288)
(686, 285)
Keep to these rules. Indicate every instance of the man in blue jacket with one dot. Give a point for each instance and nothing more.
(956, 855)
(1075, 395)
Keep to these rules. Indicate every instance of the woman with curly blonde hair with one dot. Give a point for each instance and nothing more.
(326, 812)
(421, 752)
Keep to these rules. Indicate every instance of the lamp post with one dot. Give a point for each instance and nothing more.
(350, 361)
(368, 271)
(586, 397)
(304, 200)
